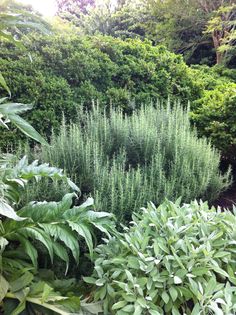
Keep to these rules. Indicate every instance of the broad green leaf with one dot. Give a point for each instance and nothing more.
(196, 310)
(220, 271)
(193, 286)
(4, 286)
(83, 231)
(138, 310)
(175, 311)
(211, 285)
(7, 211)
(46, 292)
(26, 128)
(119, 305)
(41, 236)
(142, 302)
(199, 271)
(165, 297)
(63, 233)
(30, 250)
(89, 280)
(21, 282)
(100, 282)
(61, 252)
(221, 254)
(128, 308)
(214, 307)
(173, 293)
(93, 308)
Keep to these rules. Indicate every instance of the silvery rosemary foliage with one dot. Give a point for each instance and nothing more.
(127, 161)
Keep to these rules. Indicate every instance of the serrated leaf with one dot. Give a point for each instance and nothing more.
(82, 230)
(41, 236)
(29, 249)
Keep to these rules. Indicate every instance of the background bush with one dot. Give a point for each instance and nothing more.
(69, 71)
(173, 260)
(214, 116)
(126, 161)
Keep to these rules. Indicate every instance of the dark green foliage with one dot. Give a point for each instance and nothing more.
(51, 95)
(67, 71)
(106, 63)
(126, 161)
(215, 117)
(172, 260)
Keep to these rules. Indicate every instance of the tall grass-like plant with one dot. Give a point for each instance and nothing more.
(125, 161)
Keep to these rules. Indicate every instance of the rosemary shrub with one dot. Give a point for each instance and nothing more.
(126, 161)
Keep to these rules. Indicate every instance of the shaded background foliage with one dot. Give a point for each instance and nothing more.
(66, 73)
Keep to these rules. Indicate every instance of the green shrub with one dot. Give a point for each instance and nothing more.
(51, 96)
(214, 115)
(125, 161)
(67, 71)
(172, 260)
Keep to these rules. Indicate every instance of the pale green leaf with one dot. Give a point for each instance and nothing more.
(119, 305)
(4, 286)
(26, 128)
(7, 211)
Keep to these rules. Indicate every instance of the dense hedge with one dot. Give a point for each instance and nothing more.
(67, 71)
(50, 94)
(215, 117)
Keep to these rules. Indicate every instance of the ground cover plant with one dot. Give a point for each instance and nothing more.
(172, 260)
(125, 161)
